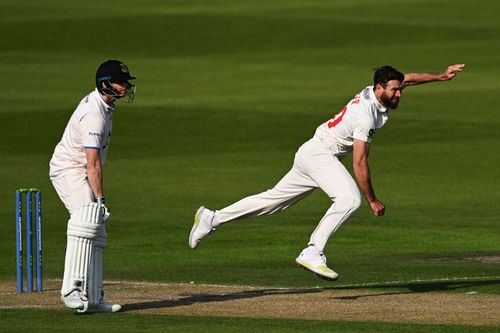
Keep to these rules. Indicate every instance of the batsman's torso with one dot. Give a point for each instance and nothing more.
(89, 127)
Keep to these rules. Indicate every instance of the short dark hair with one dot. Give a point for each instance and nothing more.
(385, 74)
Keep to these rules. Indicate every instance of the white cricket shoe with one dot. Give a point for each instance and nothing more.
(74, 300)
(314, 260)
(202, 226)
(101, 307)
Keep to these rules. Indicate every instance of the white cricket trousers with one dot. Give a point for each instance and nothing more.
(315, 165)
(73, 190)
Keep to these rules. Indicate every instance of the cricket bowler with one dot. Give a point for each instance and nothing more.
(318, 164)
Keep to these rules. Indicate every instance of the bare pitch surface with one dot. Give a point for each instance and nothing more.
(469, 309)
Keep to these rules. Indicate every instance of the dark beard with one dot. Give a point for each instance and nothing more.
(391, 104)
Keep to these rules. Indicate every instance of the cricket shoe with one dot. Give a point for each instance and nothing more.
(101, 307)
(75, 300)
(202, 226)
(314, 260)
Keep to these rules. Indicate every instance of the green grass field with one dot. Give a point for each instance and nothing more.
(226, 93)
(139, 323)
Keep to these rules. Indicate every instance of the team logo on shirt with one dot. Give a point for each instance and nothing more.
(366, 93)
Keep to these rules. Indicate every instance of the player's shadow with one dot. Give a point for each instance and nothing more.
(388, 289)
(209, 298)
(414, 287)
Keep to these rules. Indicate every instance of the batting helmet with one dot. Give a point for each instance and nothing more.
(113, 71)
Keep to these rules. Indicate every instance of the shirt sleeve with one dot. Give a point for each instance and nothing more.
(93, 129)
(363, 130)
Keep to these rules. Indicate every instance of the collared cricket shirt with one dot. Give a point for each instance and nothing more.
(89, 127)
(359, 119)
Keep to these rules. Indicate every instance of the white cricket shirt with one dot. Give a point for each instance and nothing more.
(359, 119)
(89, 127)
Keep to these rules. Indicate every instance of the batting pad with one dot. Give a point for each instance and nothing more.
(96, 286)
(84, 228)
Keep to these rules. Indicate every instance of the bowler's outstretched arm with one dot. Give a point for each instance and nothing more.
(449, 73)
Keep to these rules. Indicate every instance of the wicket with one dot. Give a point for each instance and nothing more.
(29, 239)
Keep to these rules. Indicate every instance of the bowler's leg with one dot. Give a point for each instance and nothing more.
(333, 178)
(294, 186)
(338, 184)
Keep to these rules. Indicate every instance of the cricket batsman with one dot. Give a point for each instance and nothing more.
(318, 164)
(77, 176)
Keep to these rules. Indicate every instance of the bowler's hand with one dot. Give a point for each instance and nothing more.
(451, 72)
(377, 207)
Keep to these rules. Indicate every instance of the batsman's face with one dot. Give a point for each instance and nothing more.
(121, 87)
(391, 93)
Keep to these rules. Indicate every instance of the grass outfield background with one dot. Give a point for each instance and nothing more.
(41, 321)
(227, 92)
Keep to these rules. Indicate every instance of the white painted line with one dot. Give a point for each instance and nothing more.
(416, 281)
(396, 283)
(34, 306)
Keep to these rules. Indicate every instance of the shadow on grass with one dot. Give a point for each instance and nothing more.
(413, 287)
(208, 298)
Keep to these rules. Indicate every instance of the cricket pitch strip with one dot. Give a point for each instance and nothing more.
(322, 303)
